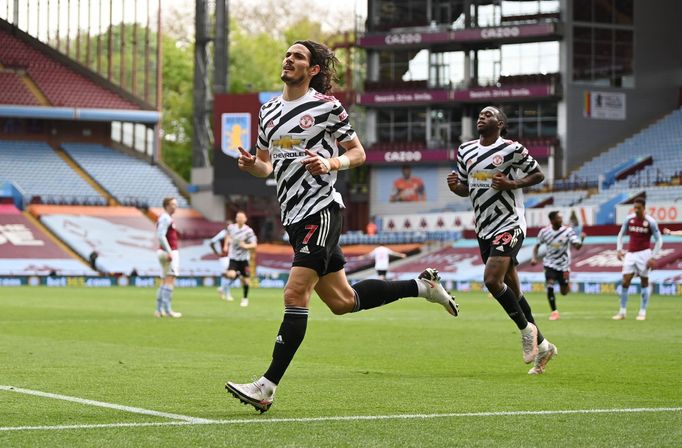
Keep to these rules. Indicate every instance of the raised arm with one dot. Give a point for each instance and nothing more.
(259, 165)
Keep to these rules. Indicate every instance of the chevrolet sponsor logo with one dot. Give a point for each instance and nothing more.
(482, 175)
(287, 142)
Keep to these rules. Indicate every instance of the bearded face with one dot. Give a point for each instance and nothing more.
(296, 66)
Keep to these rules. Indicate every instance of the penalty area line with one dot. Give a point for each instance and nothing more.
(103, 404)
(342, 418)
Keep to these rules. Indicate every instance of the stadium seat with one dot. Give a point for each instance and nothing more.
(43, 175)
(130, 180)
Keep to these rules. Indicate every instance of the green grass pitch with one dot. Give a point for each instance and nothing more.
(407, 359)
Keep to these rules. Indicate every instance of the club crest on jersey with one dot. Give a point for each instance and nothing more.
(271, 124)
(470, 162)
(306, 121)
(497, 160)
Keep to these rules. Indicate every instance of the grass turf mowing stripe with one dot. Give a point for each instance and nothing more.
(103, 404)
(343, 418)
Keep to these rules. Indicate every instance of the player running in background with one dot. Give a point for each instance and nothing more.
(557, 260)
(220, 247)
(242, 240)
(492, 171)
(382, 256)
(169, 257)
(297, 142)
(639, 258)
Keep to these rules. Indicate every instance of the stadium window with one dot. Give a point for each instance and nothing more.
(116, 131)
(603, 55)
(582, 53)
(417, 125)
(529, 111)
(139, 133)
(150, 137)
(531, 120)
(582, 10)
(512, 111)
(602, 49)
(446, 11)
(623, 12)
(400, 132)
(603, 11)
(441, 128)
(127, 134)
(623, 52)
(611, 61)
(530, 128)
(548, 127)
(385, 125)
(402, 13)
(548, 110)
(393, 65)
(512, 129)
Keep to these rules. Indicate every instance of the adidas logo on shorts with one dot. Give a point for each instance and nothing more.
(304, 250)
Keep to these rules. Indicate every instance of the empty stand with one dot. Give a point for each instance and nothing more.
(662, 141)
(43, 175)
(191, 224)
(60, 85)
(13, 91)
(130, 180)
(124, 239)
(556, 198)
(26, 250)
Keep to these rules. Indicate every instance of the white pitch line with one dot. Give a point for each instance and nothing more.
(103, 404)
(341, 418)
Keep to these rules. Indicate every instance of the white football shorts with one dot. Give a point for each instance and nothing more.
(171, 267)
(635, 263)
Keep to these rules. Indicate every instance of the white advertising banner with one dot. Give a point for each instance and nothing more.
(538, 217)
(428, 222)
(605, 105)
(660, 211)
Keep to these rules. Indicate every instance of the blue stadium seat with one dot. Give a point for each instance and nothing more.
(43, 175)
(130, 180)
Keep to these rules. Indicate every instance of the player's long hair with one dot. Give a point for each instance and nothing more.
(321, 55)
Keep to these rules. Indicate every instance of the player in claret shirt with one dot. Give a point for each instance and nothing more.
(639, 258)
(169, 257)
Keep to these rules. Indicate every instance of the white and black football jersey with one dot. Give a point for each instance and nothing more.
(286, 129)
(558, 242)
(495, 210)
(244, 234)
